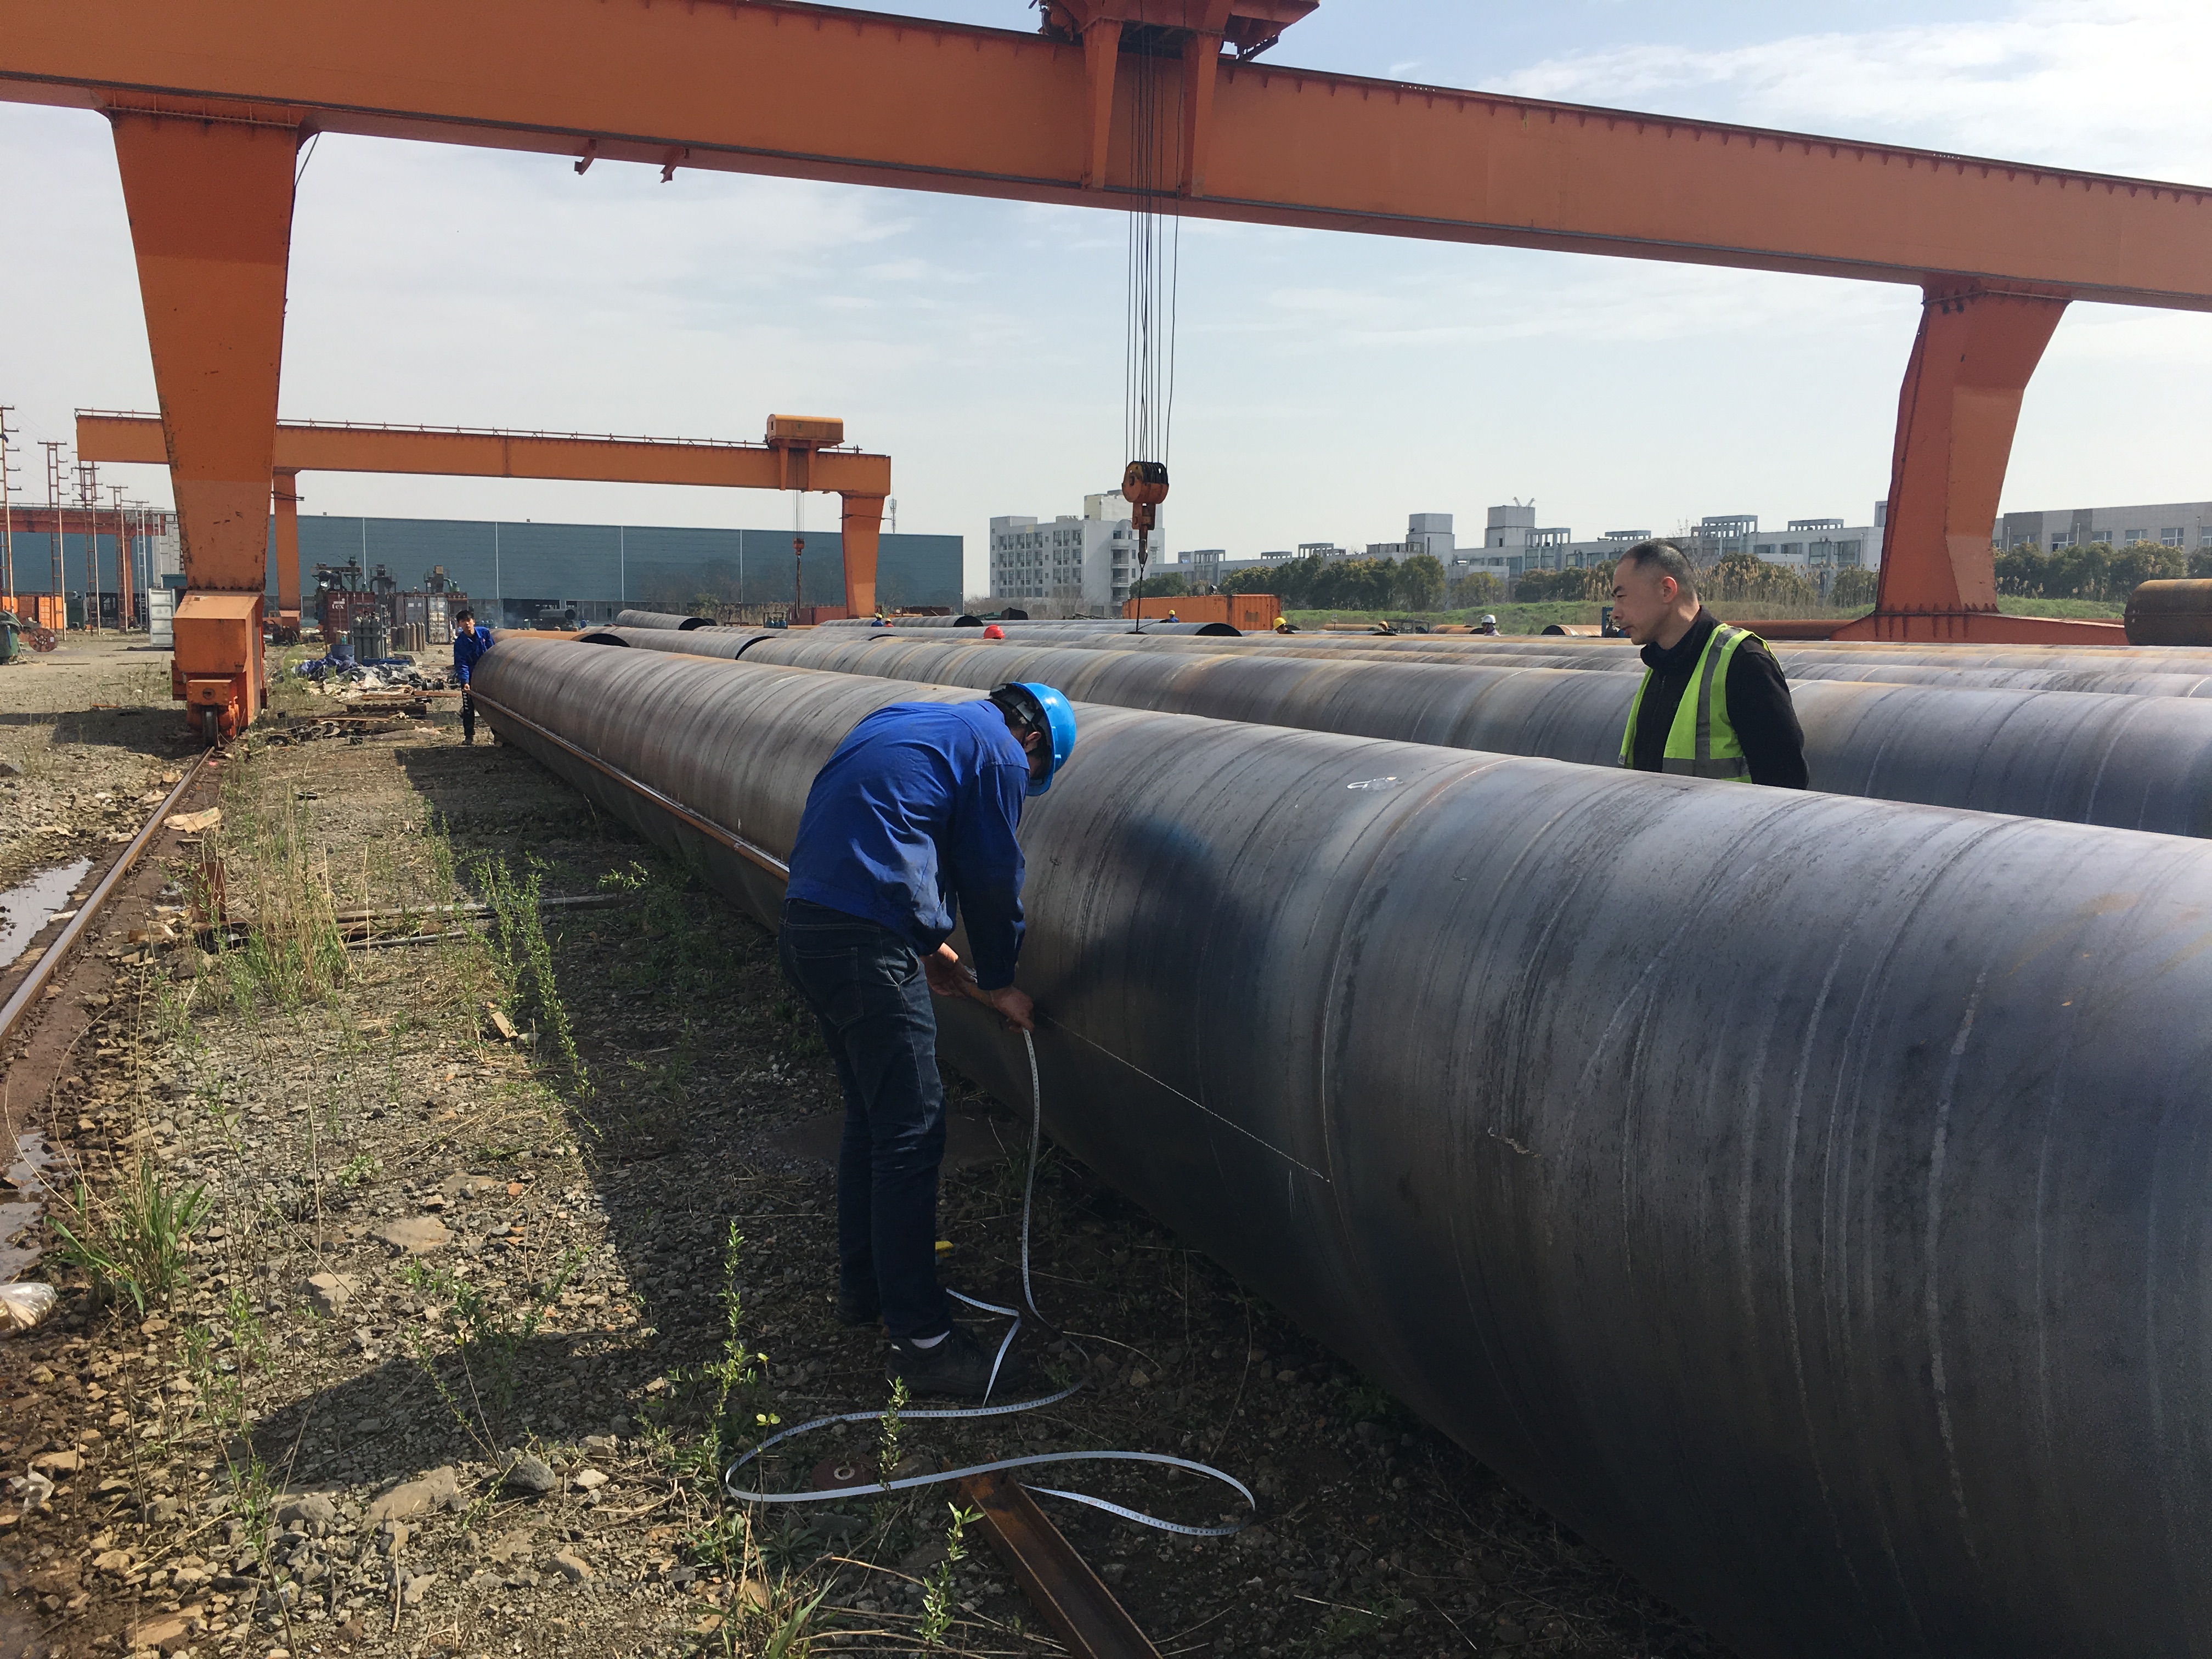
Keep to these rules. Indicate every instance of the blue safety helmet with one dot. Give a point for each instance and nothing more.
(1028, 700)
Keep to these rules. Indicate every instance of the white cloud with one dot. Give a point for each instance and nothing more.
(1329, 383)
(2099, 85)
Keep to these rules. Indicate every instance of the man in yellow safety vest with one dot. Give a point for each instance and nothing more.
(1713, 703)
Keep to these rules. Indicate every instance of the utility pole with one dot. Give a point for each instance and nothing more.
(87, 496)
(57, 579)
(123, 561)
(7, 505)
(798, 552)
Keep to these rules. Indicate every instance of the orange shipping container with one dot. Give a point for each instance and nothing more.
(39, 610)
(1254, 613)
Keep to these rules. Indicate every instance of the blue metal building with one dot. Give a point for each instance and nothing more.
(513, 571)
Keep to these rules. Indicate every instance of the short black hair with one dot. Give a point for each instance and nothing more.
(1020, 707)
(1670, 560)
(464, 613)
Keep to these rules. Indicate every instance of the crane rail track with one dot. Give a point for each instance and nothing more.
(57, 951)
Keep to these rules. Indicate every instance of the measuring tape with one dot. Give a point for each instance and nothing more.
(730, 1477)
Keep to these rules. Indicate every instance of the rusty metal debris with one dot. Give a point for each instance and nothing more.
(1060, 1584)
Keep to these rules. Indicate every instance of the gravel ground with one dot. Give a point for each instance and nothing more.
(85, 732)
(510, 1231)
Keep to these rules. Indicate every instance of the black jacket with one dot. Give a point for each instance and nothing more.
(1758, 707)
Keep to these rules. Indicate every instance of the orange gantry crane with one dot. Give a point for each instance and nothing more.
(800, 452)
(210, 100)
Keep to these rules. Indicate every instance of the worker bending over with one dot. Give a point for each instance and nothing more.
(1713, 703)
(907, 828)
(469, 643)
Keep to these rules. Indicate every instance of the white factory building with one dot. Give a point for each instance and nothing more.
(1090, 560)
(1512, 543)
(1045, 561)
(2185, 525)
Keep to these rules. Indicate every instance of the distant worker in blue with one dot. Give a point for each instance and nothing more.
(469, 643)
(909, 829)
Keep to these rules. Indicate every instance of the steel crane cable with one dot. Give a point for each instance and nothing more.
(741, 1494)
(1152, 289)
(1154, 263)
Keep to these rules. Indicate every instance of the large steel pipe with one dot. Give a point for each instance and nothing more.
(2124, 677)
(729, 643)
(662, 619)
(1807, 1200)
(1107, 624)
(2133, 763)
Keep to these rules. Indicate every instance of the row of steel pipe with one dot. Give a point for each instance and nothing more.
(2174, 677)
(665, 620)
(1806, 1199)
(2134, 763)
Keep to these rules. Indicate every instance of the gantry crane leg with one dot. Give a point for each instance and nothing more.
(863, 524)
(286, 540)
(1956, 417)
(210, 207)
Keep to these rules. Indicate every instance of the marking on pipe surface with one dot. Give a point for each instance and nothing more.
(1373, 783)
(1158, 1083)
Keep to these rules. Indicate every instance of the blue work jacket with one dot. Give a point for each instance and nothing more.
(911, 821)
(468, 651)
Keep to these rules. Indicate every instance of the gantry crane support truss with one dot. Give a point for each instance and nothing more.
(864, 480)
(209, 102)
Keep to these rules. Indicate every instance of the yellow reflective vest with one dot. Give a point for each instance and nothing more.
(1701, 743)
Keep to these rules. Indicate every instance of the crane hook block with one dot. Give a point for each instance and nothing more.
(1145, 484)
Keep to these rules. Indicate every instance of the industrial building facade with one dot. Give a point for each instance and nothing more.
(2185, 525)
(515, 573)
(1090, 561)
(1513, 543)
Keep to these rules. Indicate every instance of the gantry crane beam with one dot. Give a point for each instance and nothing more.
(863, 480)
(818, 92)
(208, 102)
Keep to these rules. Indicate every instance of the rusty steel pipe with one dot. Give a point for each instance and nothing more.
(1806, 1199)
(2131, 762)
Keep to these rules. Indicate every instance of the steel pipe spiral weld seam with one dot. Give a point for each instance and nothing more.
(1807, 1200)
(2129, 762)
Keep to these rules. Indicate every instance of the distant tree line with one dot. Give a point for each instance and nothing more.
(1419, 583)
(1320, 584)
(2095, 571)
(1740, 576)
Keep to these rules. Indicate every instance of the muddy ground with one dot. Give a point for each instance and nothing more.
(516, 1223)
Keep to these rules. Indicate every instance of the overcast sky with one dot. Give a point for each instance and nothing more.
(1328, 385)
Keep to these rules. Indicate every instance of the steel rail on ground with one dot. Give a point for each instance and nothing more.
(52, 958)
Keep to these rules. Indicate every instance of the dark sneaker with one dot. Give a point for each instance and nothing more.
(852, 1311)
(958, 1366)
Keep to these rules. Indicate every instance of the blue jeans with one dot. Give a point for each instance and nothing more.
(866, 988)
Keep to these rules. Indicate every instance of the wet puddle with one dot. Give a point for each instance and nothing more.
(19, 1209)
(25, 910)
